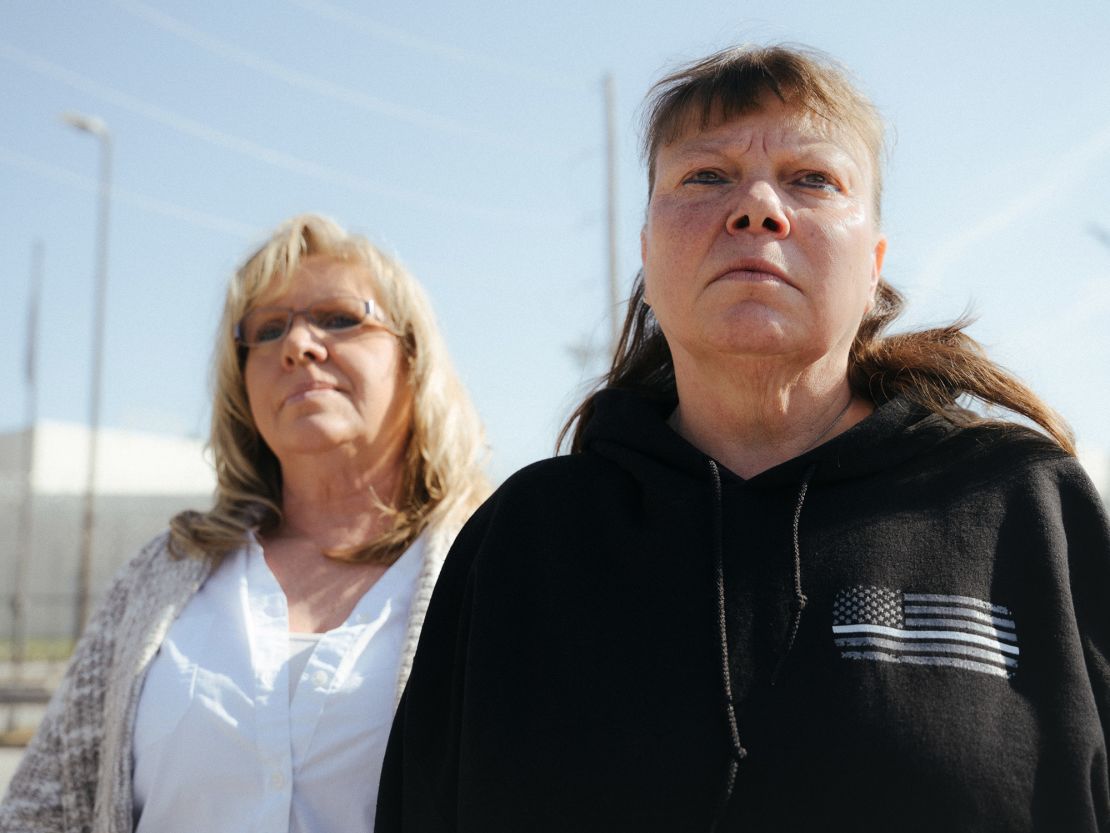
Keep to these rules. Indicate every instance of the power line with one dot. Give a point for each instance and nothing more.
(203, 219)
(319, 86)
(381, 31)
(1056, 174)
(259, 152)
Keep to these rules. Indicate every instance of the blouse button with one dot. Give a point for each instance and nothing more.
(319, 678)
(277, 780)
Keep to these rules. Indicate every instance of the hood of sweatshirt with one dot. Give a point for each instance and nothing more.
(633, 432)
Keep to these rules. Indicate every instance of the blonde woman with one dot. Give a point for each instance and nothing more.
(243, 671)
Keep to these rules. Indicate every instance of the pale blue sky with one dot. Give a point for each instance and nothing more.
(467, 138)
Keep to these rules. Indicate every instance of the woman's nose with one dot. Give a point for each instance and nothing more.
(302, 344)
(758, 210)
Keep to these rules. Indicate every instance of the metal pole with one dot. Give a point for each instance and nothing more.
(84, 568)
(611, 201)
(24, 541)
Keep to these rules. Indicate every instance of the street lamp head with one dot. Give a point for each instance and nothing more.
(90, 124)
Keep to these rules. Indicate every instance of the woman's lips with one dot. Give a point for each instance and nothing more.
(754, 271)
(749, 275)
(308, 392)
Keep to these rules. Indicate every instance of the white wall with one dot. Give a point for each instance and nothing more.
(1097, 463)
(128, 462)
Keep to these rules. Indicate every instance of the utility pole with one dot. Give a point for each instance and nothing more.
(95, 127)
(24, 540)
(611, 211)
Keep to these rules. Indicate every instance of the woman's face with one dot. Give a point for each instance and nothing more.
(313, 391)
(761, 239)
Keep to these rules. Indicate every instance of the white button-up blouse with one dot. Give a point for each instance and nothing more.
(225, 740)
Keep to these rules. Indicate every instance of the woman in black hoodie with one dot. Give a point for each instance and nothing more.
(785, 581)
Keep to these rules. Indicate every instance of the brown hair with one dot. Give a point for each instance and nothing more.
(934, 367)
(443, 481)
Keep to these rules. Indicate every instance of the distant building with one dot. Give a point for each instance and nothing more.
(1097, 463)
(142, 480)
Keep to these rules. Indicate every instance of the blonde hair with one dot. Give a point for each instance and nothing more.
(935, 367)
(443, 479)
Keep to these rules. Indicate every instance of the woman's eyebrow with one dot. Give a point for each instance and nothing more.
(820, 153)
(684, 148)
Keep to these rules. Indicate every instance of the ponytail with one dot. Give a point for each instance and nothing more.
(938, 366)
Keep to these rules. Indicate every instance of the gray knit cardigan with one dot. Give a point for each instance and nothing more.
(75, 776)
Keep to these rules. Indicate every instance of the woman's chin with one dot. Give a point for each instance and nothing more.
(763, 334)
(314, 434)
(752, 338)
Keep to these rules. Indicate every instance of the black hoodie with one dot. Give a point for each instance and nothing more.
(916, 625)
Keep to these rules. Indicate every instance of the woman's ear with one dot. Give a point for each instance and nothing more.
(876, 270)
(643, 262)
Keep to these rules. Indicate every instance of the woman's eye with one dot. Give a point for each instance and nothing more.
(704, 178)
(338, 320)
(814, 179)
(270, 329)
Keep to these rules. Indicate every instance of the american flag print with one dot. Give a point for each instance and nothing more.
(884, 625)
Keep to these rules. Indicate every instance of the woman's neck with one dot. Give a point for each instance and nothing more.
(753, 421)
(337, 502)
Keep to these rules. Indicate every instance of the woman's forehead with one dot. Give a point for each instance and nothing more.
(316, 274)
(797, 125)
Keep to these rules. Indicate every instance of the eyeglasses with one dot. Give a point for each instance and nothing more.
(268, 325)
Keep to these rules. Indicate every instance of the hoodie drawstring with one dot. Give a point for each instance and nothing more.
(800, 599)
(737, 752)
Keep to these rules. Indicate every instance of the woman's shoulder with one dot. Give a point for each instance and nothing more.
(565, 468)
(1018, 456)
(1011, 444)
(566, 478)
(546, 498)
(156, 551)
(160, 563)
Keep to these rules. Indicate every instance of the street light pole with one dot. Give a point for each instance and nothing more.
(615, 318)
(97, 128)
(24, 542)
